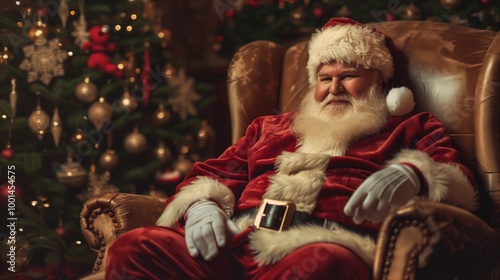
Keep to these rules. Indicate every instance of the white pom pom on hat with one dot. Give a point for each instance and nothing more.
(400, 101)
(353, 43)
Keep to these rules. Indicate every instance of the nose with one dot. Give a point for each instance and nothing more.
(336, 87)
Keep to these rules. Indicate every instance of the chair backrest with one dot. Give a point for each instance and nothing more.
(453, 70)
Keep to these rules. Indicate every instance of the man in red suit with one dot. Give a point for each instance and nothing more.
(302, 194)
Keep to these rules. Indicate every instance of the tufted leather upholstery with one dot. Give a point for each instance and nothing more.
(106, 216)
(454, 72)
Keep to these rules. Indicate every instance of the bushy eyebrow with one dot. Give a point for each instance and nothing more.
(342, 72)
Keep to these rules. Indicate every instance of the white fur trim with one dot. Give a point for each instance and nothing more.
(270, 246)
(200, 189)
(291, 163)
(244, 221)
(447, 183)
(299, 178)
(400, 101)
(351, 44)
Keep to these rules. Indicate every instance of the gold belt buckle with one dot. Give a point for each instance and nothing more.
(286, 218)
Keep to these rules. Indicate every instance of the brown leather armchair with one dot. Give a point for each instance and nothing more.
(454, 72)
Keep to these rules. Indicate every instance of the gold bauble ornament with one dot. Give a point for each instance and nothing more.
(161, 116)
(169, 71)
(206, 135)
(163, 153)
(165, 35)
(183, 165)
(78, 137)
(86, 91)
(451, 4)
(128, 103)
(100, 112)
(39, 122)
(71, 173)
(109, 160)
(411, 12)
(298, 17)
(135, 142)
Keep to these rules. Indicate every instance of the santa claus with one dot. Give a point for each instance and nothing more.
(302, 194)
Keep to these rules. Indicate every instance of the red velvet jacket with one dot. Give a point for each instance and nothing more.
(245, 167)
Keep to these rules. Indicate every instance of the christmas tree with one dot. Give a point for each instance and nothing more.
(286, 21)
(91, 101)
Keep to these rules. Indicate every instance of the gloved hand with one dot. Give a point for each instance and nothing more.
(207, 229)
(382, 192)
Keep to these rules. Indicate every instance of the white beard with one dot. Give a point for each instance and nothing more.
(329, 129)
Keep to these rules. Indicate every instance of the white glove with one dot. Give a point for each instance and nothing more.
(206, 229)
(382, 192)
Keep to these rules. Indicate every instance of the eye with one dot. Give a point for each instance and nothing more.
(349, 76)
(325, 79)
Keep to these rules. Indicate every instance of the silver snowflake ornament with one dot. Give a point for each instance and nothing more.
(185, 96)
(43, 60)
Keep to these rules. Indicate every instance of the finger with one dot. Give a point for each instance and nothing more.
(207, 245)
(199, 241)
(193, 251)
(366, 208)
(380, 213)
(354, 202)
(233, 228)
(219, 231)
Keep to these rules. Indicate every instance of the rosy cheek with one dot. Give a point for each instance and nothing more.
(320, 93)
(359, 90)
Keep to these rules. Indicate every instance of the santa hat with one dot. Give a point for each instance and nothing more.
(350, 42)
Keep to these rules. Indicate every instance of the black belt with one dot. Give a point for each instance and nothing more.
(279, 215)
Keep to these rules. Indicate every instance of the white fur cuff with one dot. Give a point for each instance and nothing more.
(271, 246)
(447, 184)
(199, 189)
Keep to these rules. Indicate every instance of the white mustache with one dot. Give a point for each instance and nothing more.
(337, 98)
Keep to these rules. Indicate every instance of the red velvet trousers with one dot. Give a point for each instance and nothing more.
(161, 253)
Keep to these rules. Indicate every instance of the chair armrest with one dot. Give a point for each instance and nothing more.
(106, 216)
(435, 241)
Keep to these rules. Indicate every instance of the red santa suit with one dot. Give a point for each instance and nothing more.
(265, 163)
(270, 163)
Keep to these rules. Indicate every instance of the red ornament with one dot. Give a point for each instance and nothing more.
(318, 12)
(41, 12)
(390, 17)
(61, 231)
(219, 38)
(230, 13)
(8, 153)
(146, 78)
(9, 194)
(168, 177)
(485, 3)
(100, 47)
(254, 3)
